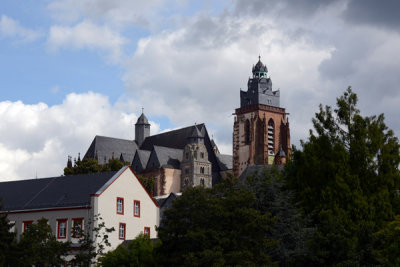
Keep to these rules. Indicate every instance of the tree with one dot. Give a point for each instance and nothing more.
(93, 242)
(290, 229)
(89, 165)
(215, 227)
(38, 246)
(346, 178)
(148, 183)
(139, 252)
(7, 238)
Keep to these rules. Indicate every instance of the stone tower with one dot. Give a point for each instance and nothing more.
(142, 129)
(261, 127)
(195, 167)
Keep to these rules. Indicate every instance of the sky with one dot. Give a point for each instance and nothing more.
(73, 69)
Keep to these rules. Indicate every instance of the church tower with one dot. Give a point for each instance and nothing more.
(142, 129)
(196, 169)
(261, 134)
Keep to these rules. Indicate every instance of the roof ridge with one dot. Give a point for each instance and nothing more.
(194, 125)
(114, 138)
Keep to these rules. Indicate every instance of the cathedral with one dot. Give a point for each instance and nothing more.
(188, 157)
(261, 134)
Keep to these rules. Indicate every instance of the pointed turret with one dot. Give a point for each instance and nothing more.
(142, 129)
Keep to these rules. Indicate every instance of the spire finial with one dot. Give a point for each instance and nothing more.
(259, 57)
(142, 109)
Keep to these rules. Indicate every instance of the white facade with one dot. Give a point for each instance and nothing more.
(123, 185)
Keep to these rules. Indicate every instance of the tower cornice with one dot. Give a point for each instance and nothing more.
(258, 107)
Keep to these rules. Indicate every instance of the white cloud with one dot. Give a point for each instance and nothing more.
(36, 139)
(10, 28)
(87, 35)
(118, 13)
(194, 74)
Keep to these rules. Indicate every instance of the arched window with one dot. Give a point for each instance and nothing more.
(202, 182)
(271, 137)
(247, 132)
(202, 170)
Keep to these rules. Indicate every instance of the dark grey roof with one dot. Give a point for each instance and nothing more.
(142, 119)
(224, 162)
(126, 157)
(55, 192)
(196, 133)
(168, 157)
(143, 157)
(106, 147)
(256, 169)
(281, 153)
(260, 66)
(174, 139)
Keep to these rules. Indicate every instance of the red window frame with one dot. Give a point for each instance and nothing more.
(119, 231)
(134, 208)
(59, 221)
(74, 234)
(26, 224)
(120, 198)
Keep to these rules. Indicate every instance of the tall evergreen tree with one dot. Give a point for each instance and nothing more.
(346, 177)
(7, 238)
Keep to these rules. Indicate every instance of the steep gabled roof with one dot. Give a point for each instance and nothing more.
(224, 162)
(173, 139)
(164, 157)
(54, 192)
(106, 147)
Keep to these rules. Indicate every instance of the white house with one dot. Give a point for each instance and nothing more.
(73, 201)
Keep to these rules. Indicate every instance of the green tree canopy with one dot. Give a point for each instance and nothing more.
(38, 246)
(139, 252)
(215, 227)
(346, 178)
(7, 238)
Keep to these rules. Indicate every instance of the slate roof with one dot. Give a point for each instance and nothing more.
(224, 162)
(173, 139)
(106, 146)
(168, 157)
(126, 157)
(142, 119)
(54, 192)
(143, 157)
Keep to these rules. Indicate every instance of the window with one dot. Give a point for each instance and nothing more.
(202, 155)
(186, 171)
(61, 228)
(147, 231)
(26, 224)
(247, 132)
(77, 227)
(122, 231)
(202, 182)
(187, 155)
(202, 170)
(271, 137)
(120, 205)
(136, 208)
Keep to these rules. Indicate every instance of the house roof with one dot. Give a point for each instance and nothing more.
(224, 162)
(106, 147)
(54, 192)
(173, 139)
